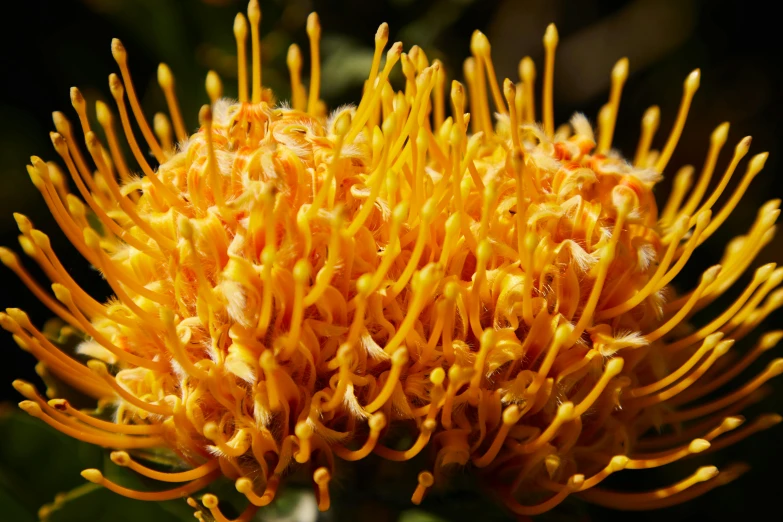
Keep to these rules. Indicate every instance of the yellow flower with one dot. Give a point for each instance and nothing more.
(288, 285)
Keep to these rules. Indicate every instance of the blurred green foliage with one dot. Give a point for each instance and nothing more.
(39, 464)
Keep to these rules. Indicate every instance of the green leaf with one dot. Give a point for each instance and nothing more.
(11, 508)
(417, 515)
(98, 503)
(37, 462)
(41, 467)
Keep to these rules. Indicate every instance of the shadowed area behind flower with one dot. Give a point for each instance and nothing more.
(479, 122)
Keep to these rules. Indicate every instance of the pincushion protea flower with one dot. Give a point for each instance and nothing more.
(289, 285)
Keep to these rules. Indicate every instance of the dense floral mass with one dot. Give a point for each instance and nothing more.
(289, 285)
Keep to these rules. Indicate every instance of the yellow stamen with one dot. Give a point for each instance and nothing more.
(707, 279)
(106, 120)
(509, 90)
(321, 477)
(550, 44)
(294, 62)
(650, 122)
(360, 119)
(314, 35)
(425, 482)
(774, 369)
(480, 45)
(130, 209)
(245, 486)
(96, 477)
(105, 440)
(612, 369)
(618, 500)
(439, 95)
(766, 342)
(118, 93)
(399, 358)
(121, 458)
(121, 57)
(574, 483)
(254, 17)
(527, 73)
(761, 274)
(619, 75)
(425, 431)
(710, 342)
(717, 140)
(691, 85)
(510, 417)
(9, 259)
(166, 82)
(763, 422)
(479, 107)
(565, 413)
(682, 182)
(657, 460)
(210, 502)
(677, 233)
(78, 102)
(130, 429)
(719, 351)
(162, 128)
(100, 370)
(376, 423)
(240, 35)
(68, 144)
(755, 166)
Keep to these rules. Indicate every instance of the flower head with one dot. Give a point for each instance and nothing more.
(289, 285)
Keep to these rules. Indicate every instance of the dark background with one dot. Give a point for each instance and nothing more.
(47, 46)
